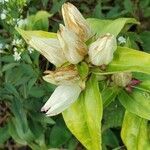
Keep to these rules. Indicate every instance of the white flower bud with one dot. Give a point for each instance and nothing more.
(122, 79)
(73, 47)
(49, 48)
(64, 75)
(101, 51)
(61, 99)
(74, 20)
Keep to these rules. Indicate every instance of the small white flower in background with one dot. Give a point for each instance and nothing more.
(1, 45)
(101, 51)
(15, 49)
(3, 16)
(121, 40)
(62, 98)
(17, 42)
(30, 49)
(16, 55)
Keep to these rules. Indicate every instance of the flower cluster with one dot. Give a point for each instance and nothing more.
(8, 14)
(70, 47)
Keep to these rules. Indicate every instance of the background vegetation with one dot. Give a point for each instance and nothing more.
(22, 89)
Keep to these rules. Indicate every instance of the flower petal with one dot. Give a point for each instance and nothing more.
(73, 47)
(74, 20)
(50, 49)
(62, 98)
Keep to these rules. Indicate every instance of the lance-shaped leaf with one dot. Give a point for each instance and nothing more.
(138, 102)
(83, 118)
(114, 27)
(145, 84)
(27, 35)
(134, 132)
(128, 60)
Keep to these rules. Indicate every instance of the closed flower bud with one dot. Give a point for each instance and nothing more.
(101, 51)
(61, 99)
(73, 47)
(50, 49)
(64, 75)
(74, 20)
(122, 79)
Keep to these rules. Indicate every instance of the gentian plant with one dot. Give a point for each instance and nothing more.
(92, 70)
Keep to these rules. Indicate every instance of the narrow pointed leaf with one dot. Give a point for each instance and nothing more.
(83, 118)
(128, 60)
(114, 27)
(27, 35)
(138, 102)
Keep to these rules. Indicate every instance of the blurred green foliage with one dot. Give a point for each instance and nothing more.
(22, 89)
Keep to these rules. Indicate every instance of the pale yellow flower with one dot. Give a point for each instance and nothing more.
(101, 51)
(73, 47)
(62, 98)
(74, 20)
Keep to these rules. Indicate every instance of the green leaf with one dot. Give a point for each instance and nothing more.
(138, 102)
(126, 59)
(128, 6)
(84, 117)
(135, 133)
(36, 91)
(12, 90)
(110, 139)
(59, 134)
(113, 116)
(145, 40)
(83, 70)
(9, 66)
(114, 27)
(108, 95)
(4, 134)
(14, 134)
(26, 57)
(39, 21)
(145, 82)
(27, 35)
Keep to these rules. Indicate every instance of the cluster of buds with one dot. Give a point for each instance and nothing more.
(69, 47)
